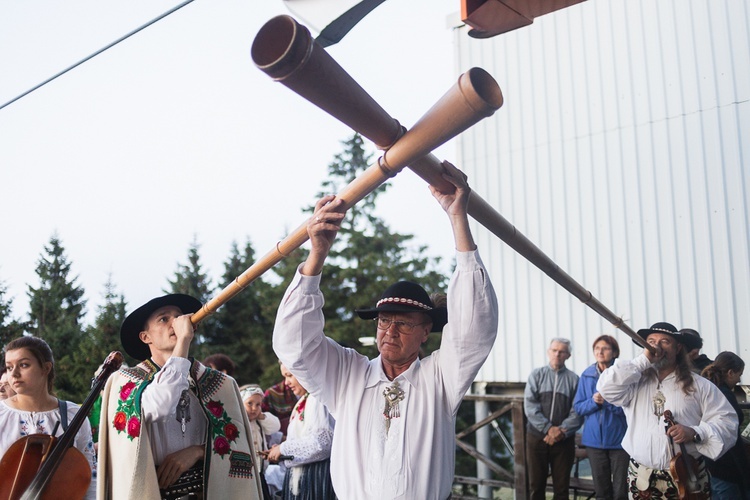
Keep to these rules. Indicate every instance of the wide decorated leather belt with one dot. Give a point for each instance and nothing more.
(189, 482)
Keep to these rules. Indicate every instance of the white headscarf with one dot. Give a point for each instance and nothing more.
(250, 390)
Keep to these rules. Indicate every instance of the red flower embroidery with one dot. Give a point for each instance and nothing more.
(223, 431)
(221, 446)
(127, 417)
(134, 427)
(216, 408)
(299, 410)
(231, 432)
(119, 422)
(125, 390)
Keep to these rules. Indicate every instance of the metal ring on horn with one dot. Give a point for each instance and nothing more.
(387, 169)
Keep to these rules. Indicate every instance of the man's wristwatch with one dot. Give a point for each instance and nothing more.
(696, 438)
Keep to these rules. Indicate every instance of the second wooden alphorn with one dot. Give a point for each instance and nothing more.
(476, 95)
(285, 50)
(430, 169)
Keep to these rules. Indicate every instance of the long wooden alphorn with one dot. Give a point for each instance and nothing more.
(476, 95)
(286, 51)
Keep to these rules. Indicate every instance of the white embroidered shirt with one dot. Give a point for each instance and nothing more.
(706, 410)
(417, 458)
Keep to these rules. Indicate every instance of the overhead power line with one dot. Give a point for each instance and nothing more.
(124, 37)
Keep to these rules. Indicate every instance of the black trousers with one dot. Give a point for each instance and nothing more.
(541, 457)
(609, 469)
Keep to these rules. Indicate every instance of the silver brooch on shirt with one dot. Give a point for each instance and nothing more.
(393, 396)
(659, 401)
(183, 409)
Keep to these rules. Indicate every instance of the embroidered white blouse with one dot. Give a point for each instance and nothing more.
(310, 432)
(706, 410)
(15, 424)
(416, 457)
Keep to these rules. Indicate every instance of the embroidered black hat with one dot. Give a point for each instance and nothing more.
(665, 328)
(691, 338)
(136, 321)
(404, 297)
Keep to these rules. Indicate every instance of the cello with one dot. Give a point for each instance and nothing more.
(42, 467)
(684, 469)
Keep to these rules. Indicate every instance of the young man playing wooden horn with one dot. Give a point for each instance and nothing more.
(170, 426)
(395, 414)
(645, 388)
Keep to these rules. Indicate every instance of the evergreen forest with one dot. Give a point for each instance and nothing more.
(366, 258)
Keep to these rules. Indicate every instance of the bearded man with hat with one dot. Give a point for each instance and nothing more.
(171, 427)
(649, 386)
(395, 414)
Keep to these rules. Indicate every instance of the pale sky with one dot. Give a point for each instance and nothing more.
(175, 133)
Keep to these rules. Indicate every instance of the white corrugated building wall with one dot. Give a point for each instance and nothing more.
(622, 151)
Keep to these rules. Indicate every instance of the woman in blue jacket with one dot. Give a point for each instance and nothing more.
(604, 426)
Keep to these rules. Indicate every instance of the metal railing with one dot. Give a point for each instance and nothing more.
(504, 406)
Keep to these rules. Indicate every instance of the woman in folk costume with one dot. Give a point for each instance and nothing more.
(307, 449)
(34, 409)
(170, 426)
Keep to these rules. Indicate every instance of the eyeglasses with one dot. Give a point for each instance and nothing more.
(401, 327)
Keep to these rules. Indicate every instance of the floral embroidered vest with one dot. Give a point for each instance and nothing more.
(126, 465)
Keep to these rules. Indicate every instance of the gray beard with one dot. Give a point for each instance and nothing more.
(661, 364)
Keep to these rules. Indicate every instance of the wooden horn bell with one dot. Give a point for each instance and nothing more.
(285, 50)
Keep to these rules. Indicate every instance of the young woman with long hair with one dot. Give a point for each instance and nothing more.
(35, 409)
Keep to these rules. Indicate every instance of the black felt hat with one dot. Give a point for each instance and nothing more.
(405, 297)
(691, 338)
(136, 321)
(665, 328)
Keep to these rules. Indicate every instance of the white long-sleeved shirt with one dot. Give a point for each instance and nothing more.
(706, 410)
(415, 459)
(159, 404)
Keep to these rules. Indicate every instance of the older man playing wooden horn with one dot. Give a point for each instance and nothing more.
(395, 414)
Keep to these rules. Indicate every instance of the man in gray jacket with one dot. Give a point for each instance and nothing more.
(552, 422)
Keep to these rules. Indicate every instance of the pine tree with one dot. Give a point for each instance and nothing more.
(281, 274)
(104, 335)
(244, 324)
(98, 341)
(192, 280)
(10, 328)
(56, 311)
(367, 257)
